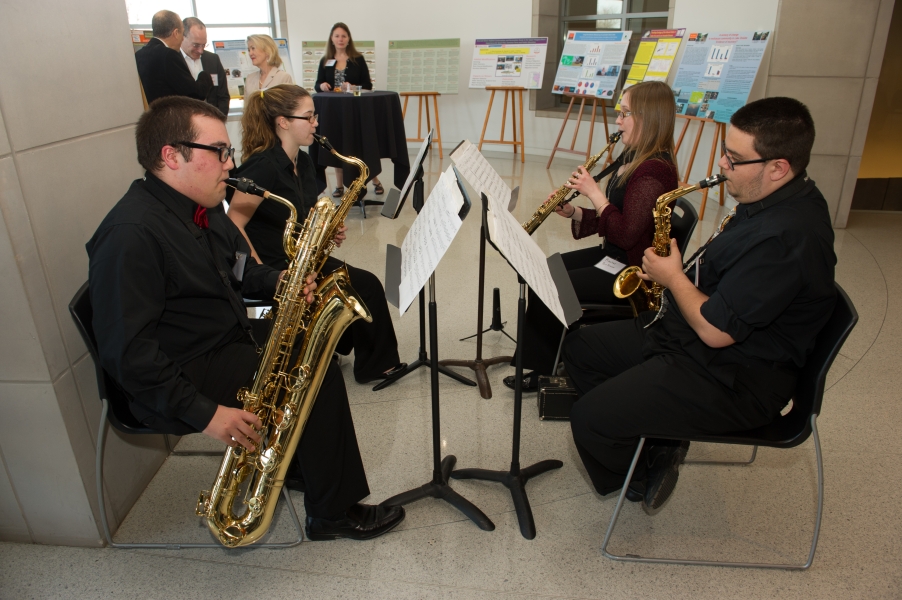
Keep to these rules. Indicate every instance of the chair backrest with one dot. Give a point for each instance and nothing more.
(683, 220)
(119, 415)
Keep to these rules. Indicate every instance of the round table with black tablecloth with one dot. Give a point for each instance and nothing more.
(369, 127)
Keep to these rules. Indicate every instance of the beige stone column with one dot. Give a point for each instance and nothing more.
(68, 105)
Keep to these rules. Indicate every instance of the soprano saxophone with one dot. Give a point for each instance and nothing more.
(628, 283)
(560, 196)
(288, 379)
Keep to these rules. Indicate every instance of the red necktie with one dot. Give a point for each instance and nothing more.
(200, 217)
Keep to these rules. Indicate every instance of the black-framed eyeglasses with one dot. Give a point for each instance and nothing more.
(314, 118)
(225, 153)
(733, 164)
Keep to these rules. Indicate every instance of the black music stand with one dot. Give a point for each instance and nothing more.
(516, 478)
(441, 467)
(392, 208)
(479, 364)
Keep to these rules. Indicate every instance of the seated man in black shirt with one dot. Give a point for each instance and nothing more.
(735, 328)
(167, 272)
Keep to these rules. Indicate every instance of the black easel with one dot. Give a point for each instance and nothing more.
(423, 358)
(515, 479)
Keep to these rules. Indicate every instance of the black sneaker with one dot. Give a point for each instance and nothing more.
(663, 471)
(530, 381)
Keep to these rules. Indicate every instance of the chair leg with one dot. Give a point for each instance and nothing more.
(725, 462)
(98, 466)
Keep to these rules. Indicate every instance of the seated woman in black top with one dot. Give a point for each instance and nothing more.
(342, 63)
(276, 123)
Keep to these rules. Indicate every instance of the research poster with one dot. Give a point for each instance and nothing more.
(717, 71)
(655, 56)
(423, 65)
(515, 62)
(591, 63)
(237, 64)
(312, 52)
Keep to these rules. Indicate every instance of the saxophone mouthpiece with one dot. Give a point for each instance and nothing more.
(615, 137)
(324, 142)
(245, 185)
(711, 181)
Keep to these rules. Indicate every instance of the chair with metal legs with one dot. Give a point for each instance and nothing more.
(115, 410)
(788, 431)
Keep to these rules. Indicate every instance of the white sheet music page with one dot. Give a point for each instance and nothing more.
(524, 254)
(429, 237)
(479, 173)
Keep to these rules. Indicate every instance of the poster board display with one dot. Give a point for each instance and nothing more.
(237, 63)
(140, 37)
(591, 63)
(313, 51)
(716, 73)
(654, 58)
(514, 62)
(423, 65)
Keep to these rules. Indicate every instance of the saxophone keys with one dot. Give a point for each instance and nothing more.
(203, 504)
(256, 505)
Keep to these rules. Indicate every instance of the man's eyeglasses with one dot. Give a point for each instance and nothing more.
(314, 118)
(734, 163)
(198, 46)
(225, 153)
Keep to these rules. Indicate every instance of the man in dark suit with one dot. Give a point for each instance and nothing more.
(161, 67)
(199, 60)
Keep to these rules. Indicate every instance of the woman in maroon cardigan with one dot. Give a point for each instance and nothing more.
(621, 213)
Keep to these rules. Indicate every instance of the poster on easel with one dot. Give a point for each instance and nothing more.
(717, 71)
(140, 37)
(654, 58)
(312, 53)
(423, 65)
(237, 63)
(591, 63)
(513, 62)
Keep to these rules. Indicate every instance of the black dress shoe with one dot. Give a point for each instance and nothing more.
(361, 522)
(635, 491)
(530, 381)
(663, 471)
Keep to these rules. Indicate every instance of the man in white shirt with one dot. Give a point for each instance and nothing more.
(199, 60)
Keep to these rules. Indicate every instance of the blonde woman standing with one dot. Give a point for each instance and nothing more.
(264, 55)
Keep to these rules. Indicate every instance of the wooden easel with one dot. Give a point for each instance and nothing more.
(508, 92)
(604, 111)
(438, 128)
(720, 132)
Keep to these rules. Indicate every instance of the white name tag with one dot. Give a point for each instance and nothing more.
(610, 265)
(215, 77)
(330, 62)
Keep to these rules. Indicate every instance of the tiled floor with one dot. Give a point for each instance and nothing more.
(761, 512)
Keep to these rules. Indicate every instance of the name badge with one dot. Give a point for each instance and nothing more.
(330, 62)
(215, 77)
(610, 265)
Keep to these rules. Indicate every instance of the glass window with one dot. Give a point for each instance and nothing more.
(233, 11)
(219, 34)
(140, 12)
(211, 12)
(594, 7)
(645, 6)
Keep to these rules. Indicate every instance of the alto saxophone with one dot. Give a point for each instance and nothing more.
(285, 388)
(628, 283)
(547, 207)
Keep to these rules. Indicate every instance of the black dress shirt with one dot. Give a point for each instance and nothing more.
(163, 72)
(356, 73)
(165, 292)
(769, 277)
(273, 170)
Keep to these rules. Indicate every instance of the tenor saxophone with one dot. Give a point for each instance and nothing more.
(288, 379)
(628, 284)
(560, 196)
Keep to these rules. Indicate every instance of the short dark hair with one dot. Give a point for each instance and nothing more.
(781, 127)
(164, 23)
(169, 120)
(189, 22)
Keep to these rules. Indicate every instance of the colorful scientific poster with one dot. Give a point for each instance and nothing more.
(591, 63)
(657, 50)
(312, 52)
(512, 62)
(237, 64)
(423, 65)
(140, 37)
(717, 72)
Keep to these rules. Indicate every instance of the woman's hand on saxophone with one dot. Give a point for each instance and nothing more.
(585, 184)
(341, 236)
(234, 426)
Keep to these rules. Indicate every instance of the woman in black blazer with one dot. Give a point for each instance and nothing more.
(342, 63)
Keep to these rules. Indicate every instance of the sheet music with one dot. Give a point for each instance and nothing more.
(416, 163)
(479, 173)
(429, 237)
(523, 254)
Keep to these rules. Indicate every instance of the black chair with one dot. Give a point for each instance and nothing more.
(115, 410)
(787, 431)
(683, 220)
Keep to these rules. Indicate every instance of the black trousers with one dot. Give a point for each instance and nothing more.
(328, 455)
(624, 393)
(375, 345)
(542, 330)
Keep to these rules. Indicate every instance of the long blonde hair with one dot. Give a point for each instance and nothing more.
(261, 110)
(653, 109)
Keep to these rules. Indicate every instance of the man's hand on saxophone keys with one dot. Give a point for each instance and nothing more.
(341, 236)
(664, 270)
(234, 427)
(310, 287)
